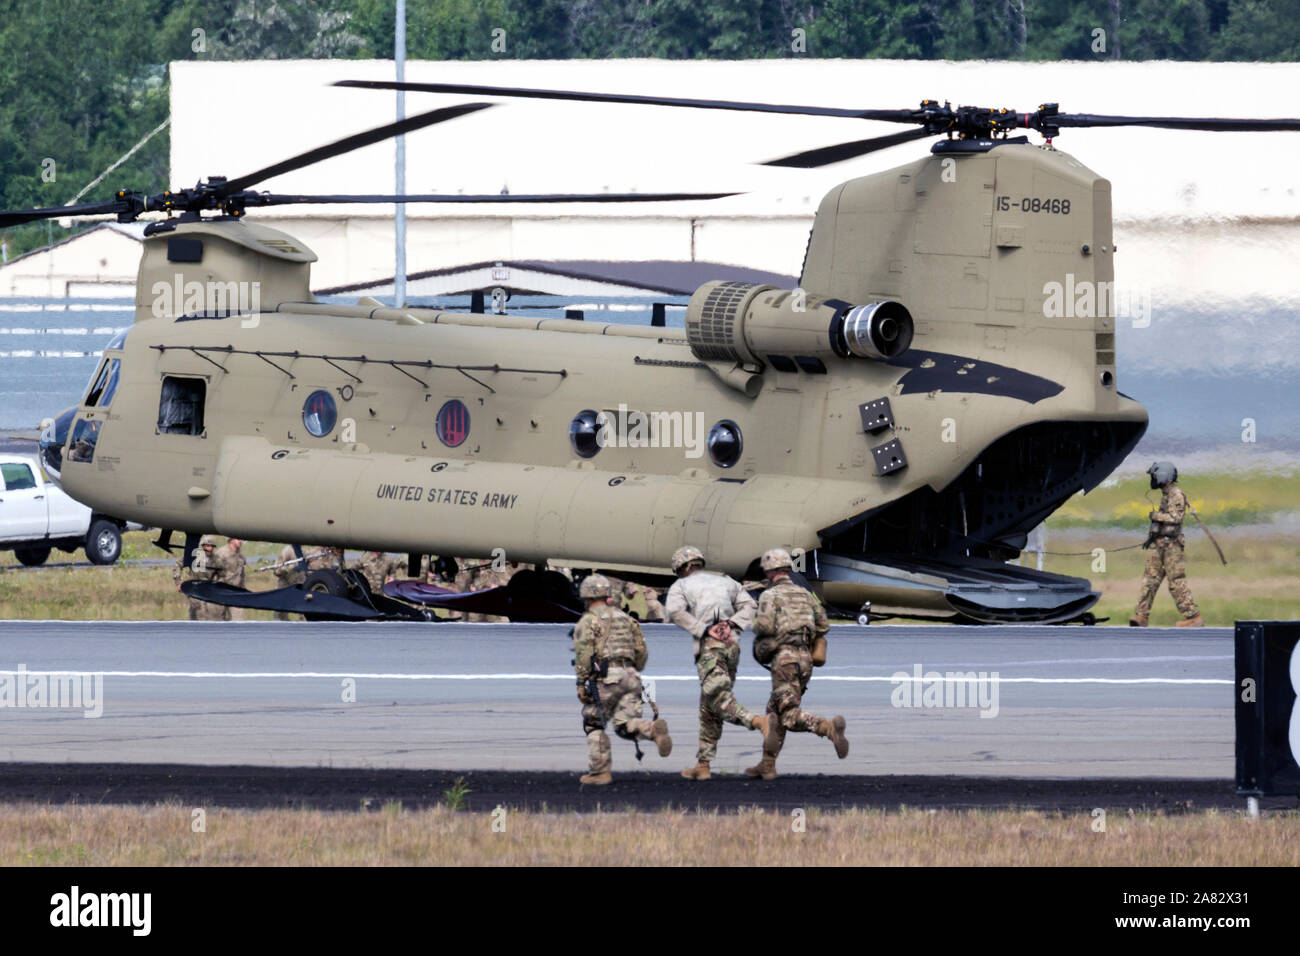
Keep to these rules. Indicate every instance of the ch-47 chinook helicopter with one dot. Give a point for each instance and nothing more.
(903, 418)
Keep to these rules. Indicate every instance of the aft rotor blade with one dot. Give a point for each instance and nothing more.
(826, 155)
(355, 141)
(19, 216)
(1219, 125)
(275, 199)
(890, 116)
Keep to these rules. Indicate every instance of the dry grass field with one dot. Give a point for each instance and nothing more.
(163, 835)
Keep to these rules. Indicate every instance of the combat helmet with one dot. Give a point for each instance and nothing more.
(594, 586)
(777, 559)
(208, 541)
(1162, 472)
(685, 555)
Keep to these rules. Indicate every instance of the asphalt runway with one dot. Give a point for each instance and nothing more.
(1061, 702)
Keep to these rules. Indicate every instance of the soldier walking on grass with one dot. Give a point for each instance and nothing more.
(790, 638)
(1165, 559)
(609, 654)
(714, 610)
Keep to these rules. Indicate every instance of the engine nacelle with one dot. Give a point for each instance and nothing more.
(763, 325)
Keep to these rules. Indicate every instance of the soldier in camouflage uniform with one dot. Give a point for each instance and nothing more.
(378, 569)
(609, 653)
(205, 566)
(714, 610)
(479, 575)
(289, 573)
(231, 558)
(323, 558)
(1165, 539)
(790, 638)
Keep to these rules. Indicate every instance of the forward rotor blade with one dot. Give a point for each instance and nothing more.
(349, 143)
(1177, 122)
(826, 155)
(20, 216)
(891, 116)
(275, 199)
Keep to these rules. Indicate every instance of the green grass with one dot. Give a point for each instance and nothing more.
(1222, 500)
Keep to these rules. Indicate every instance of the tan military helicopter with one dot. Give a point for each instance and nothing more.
(902, 419)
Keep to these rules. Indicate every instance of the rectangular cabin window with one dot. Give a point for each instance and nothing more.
(180, 410)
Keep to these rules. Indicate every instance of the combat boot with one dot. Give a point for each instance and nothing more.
(766, 725)
(834, 729)
(699, 772)
(1190, 622)
(1137, 621)
(766, 768)
(661, 738)
(597, 779)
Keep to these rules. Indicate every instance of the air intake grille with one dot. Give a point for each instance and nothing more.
(712, 334)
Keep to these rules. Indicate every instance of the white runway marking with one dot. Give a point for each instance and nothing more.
(881, 679)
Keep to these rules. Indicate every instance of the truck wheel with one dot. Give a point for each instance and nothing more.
(32, 557)
(103, 542)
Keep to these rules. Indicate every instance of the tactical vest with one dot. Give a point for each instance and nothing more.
(618, 646)
(795, 616)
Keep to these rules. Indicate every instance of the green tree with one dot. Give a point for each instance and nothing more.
(1259, 30)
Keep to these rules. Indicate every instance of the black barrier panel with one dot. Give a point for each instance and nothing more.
(1268, 674)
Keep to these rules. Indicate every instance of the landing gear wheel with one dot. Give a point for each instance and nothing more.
(1088, 619)
(326, 581)
(103, 542)
(864, 614)
(32, 557)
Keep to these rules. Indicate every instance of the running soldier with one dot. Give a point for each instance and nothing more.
(609, 653)
(1165, 538)
(714, 610)
(790, 638)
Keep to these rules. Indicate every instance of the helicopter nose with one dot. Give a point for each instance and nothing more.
(53, 437)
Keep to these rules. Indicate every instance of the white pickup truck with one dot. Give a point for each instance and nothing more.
(37, 516)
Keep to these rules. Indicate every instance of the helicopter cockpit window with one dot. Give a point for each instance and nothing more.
(101, 392)
(180, 410)
(85, 435)
(319, 413)
(117, 341)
